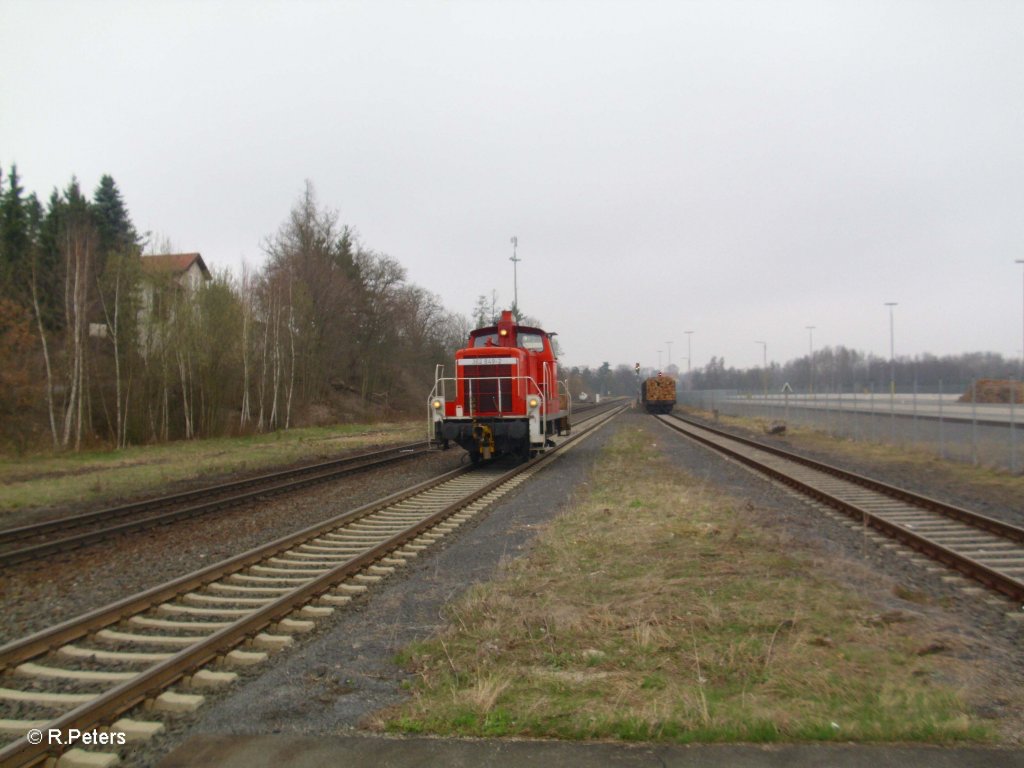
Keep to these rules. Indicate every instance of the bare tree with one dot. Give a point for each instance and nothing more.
(78, 246)
(246, 302)
(46, 357)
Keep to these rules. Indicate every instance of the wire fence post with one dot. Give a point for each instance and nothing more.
(1013, 429)
(913, 428)
(942, 436)
(974, 422)
(892, 415)
(874, 427)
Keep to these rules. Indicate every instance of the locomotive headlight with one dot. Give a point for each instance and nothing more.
(437, 404)
(533, 402)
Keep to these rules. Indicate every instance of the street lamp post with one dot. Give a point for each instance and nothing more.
(810, 358)
(892, 350)
(689, 351)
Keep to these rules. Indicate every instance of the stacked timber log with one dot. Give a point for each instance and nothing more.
(661, 388)
(994, 391)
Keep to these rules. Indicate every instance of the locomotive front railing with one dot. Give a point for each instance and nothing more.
(516, 388)
(524, 387)
(521, 383)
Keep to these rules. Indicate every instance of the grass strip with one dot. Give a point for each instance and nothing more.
(656, 610)
(96, 476)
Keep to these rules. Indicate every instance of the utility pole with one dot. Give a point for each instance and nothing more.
(689, 351)
(515, 274)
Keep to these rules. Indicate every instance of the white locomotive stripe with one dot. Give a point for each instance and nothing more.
(488, 361)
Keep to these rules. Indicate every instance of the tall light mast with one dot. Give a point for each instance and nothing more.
(515, 273)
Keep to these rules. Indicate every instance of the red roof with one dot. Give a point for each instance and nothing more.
(174, 262)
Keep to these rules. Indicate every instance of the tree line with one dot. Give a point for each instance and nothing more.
(834, 369)
(840, 369)
(100, 345)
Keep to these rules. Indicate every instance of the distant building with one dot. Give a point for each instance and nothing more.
(166, 277)
(187, 269)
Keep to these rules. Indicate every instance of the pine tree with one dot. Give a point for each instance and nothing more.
(116, 232)
(48, 278)
(16, 240)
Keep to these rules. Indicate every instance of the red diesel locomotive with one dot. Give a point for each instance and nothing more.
(505, 397)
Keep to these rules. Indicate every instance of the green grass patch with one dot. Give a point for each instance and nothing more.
(656, 611)
(96, 476)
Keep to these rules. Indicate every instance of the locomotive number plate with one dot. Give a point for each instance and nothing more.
(488, 361)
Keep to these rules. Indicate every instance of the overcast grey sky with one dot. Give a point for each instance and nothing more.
(739, 169)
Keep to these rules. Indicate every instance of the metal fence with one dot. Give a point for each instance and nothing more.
(983, 434)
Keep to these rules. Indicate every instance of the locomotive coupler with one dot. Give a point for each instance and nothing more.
(484, 440)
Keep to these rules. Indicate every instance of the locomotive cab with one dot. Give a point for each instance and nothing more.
(505, 397)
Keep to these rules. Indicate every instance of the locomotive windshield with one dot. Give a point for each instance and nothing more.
(485, 340)
(531, 341)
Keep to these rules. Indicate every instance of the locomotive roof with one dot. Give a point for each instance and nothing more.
(494, 329)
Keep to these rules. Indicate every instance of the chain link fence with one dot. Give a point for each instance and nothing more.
(983, 434)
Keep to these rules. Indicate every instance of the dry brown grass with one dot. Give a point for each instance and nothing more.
(94, 477)
(654, 609)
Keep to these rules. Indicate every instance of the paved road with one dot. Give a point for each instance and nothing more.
(923, 406)
(320, 752)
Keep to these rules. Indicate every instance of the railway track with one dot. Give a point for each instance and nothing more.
(987, 550)
(95, 668)
(46, 538)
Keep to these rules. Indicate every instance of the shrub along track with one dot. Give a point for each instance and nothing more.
(109, 661)
(985, 549)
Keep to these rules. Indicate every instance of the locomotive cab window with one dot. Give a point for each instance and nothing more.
(485, 340)
(531, 341)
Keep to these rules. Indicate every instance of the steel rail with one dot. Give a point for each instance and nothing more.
(975, 519)
(987, 575)
(305, 476)
(45, 640)
(148, 683)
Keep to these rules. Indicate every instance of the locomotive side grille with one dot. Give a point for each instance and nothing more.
(488, 388)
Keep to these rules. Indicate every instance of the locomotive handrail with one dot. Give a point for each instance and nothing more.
(528, 380)
(564, 386)
(474, 411)
(439, 377)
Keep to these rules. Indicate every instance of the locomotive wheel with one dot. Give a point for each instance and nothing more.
(475, 456)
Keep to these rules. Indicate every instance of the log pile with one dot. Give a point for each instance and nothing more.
(660, 388)
(994, 391)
